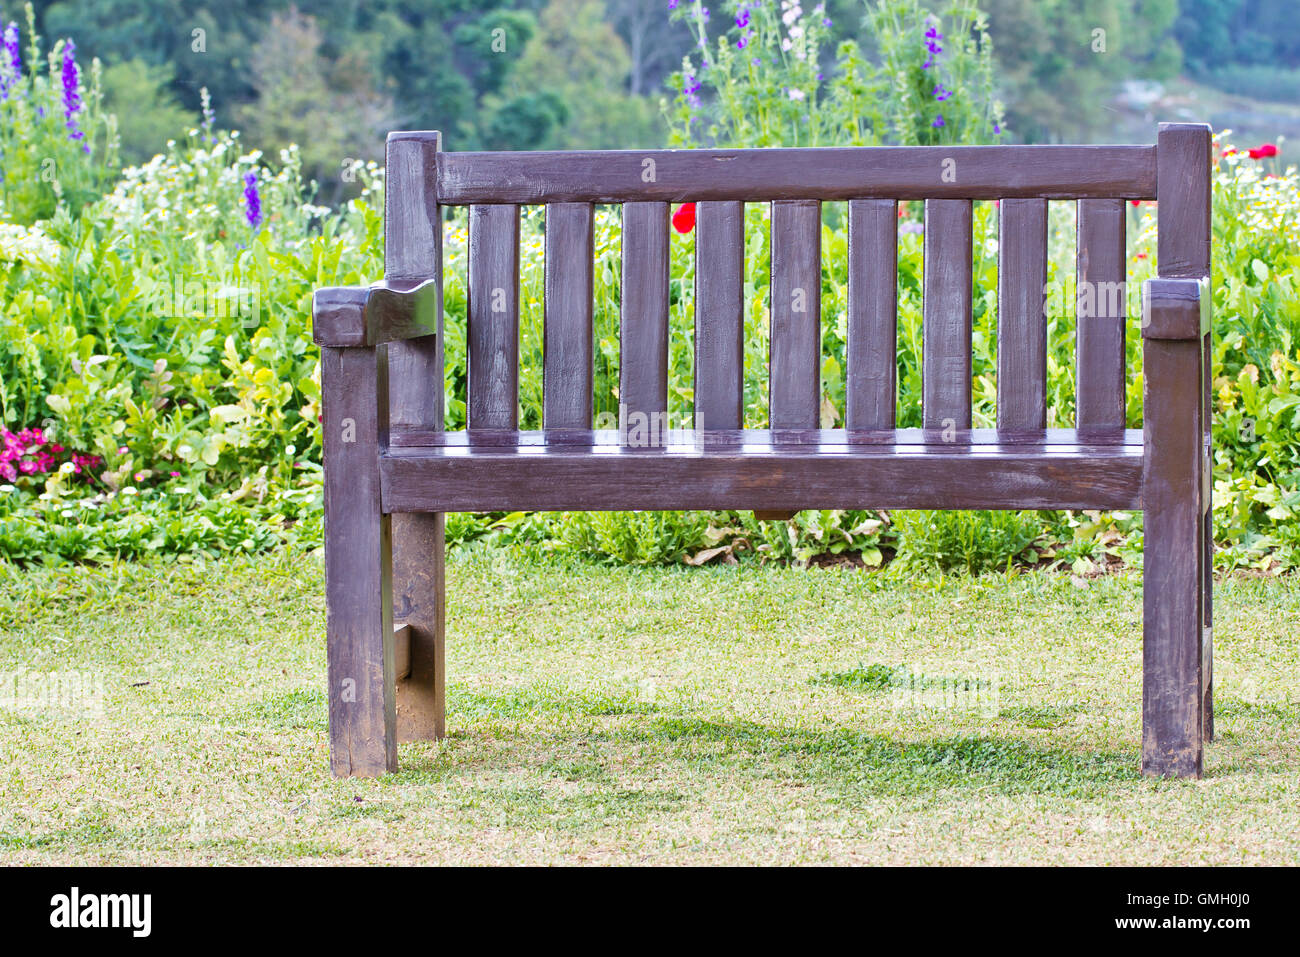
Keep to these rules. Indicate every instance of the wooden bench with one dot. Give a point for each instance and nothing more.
(391, 470)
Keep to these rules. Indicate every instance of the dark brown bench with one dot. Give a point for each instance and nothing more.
(391, 470)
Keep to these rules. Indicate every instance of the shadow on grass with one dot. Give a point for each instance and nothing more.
(644, 741)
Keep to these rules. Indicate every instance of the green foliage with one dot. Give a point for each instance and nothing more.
(972, 541)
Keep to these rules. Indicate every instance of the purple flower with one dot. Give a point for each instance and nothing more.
(672, 4)
(253, 209)
(71, 95)
(742, 19)
(691, 85)
(743, 41)
(11, 65)
(940, 93)
(938, 121)
(997, 129)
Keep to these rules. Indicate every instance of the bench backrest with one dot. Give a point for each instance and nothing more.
(422, 178)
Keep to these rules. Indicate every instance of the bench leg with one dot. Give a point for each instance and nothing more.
(1174, 582)
(419, 584)
(1207, 646)
(358, 564)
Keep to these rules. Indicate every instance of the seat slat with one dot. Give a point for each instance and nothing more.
(1100, 367)
(901, 477)
(719, 315)
(1022, 321)
(643, 359)
(946, 315)
(493, 317)
(567, 308)
(870, 382)
(762, 438)
(794, 366)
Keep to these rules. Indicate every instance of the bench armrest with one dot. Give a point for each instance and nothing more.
(1175, 308)
(386, 311)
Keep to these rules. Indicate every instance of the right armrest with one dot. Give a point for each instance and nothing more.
(1175, 308)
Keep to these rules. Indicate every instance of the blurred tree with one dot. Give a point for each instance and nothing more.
(579, 60)
(1060, 60)
(139, 94)
(330, 109)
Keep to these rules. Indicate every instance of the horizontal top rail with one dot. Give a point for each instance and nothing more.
(820, 173)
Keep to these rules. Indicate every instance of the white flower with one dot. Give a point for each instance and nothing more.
(796, 94)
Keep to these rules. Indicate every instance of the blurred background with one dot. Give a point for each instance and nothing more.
(334, 75)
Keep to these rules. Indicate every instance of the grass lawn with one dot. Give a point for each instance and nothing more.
(625, 715)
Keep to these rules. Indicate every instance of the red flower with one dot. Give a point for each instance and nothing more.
(1136, 202)
(1263, 151)
(684, 218)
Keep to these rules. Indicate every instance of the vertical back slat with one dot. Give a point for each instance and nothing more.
(1022, 321)
(794, 367)
(871, 388)
(719, 315)
(1100, 367)
(643, 350)
(567, 364)
(493, 317)
(946, 315)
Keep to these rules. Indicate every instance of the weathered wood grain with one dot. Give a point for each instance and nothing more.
(794, 362)
(943, 476)
(568, 319)
(1101, 314)
(872, 351)
(719, 315)
(492, 309)
(643, 347)
(885, 172)
(946, 315)
(1022, 321)
(358, 543)
(1183, 250)
(413, 253)
(761, 439)
(385, 311)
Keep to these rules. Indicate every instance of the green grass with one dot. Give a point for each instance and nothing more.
(633, 715)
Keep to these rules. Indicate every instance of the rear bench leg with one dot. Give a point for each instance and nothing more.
(1173, 499)
(419, 578)
(358, 563)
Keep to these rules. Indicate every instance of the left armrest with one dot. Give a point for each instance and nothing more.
(386, 311)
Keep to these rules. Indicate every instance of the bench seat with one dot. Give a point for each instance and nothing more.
(769, 470)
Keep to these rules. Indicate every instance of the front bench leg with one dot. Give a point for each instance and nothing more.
(1174, 500)
(358, 563)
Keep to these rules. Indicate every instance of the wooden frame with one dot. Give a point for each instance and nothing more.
(391, 471)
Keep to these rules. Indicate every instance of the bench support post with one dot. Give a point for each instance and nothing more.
(1173, 563)
(358, 554)
(1175, 500)
(413, 251)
